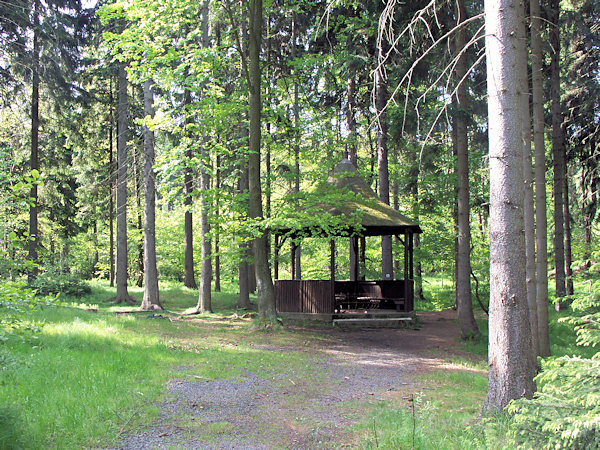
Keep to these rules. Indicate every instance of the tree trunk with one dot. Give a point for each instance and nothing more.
(352, 156)
(151, 299)
(387, 269)
(589, 203)
(528, 207)
(567, 214)
(138, 203)
(266, 292)
(122, 257)
(540, 181)
(245, 250)
(511, 359)
(204, 295)
(111, 204)
(34, 163)
(189, 278)
(351, 122)
(558, 151)
(466, 319)
(217, 234)
(297, 137)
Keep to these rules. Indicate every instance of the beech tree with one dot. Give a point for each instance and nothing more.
(511, 359)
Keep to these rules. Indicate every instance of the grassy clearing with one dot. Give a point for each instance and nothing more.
(92, 375)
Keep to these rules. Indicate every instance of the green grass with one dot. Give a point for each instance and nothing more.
(91, 376)
(440, 410)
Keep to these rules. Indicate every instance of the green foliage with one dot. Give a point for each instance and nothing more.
(55, 282)
(565, 412)
(16, 302)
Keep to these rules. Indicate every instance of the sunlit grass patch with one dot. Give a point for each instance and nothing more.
(438, 410)
(92, 375)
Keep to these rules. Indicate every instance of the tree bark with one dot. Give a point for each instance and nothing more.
(245, 252)
(297, 137)
(111, 204)
(138, 203)
(34, 163)
(528, 206)
(568, 256)
(218, 234)
(122, 256)
(387, 269)
(151, 300)
(589, 202)
(204, 294)
(540, 181)
(558, 151)
(466, 319)
(353, 157)
(264, 282)
(189, 278)
(511, 359)
(351, 122)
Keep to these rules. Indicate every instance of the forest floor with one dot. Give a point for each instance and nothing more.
(320, 405)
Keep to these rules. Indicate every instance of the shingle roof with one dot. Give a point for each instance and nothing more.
(374, 216)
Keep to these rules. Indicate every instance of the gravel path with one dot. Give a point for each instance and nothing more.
(314, 411)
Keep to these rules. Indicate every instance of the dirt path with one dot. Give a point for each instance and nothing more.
(316, 411)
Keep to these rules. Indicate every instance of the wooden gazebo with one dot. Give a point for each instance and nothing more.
(359, 214)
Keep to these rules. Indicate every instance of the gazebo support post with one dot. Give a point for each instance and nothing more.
(406, 264)
(363, 258)
(354, 251)
(332, 260)
(411, 273)
(293, 260)
(353, 258)
(276, 258)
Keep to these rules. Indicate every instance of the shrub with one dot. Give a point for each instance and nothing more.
(56, 283)
(565, 412)
(15, 302)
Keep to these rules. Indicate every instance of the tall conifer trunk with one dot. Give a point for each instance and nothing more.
(34, 163)
(558, 152)
(204, 294)
(217, 234)
(540, 181)
(297, 135)
(264, 282)
(381, 97)
(511, 359)
(528, 207)
(122, 257)
(151, 294)
(111, 187)
(568, 255)
(466, 319)
(189, 278)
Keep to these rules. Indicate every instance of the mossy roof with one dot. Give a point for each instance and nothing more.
(359, 204)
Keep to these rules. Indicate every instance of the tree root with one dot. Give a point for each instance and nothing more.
(119, 299)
